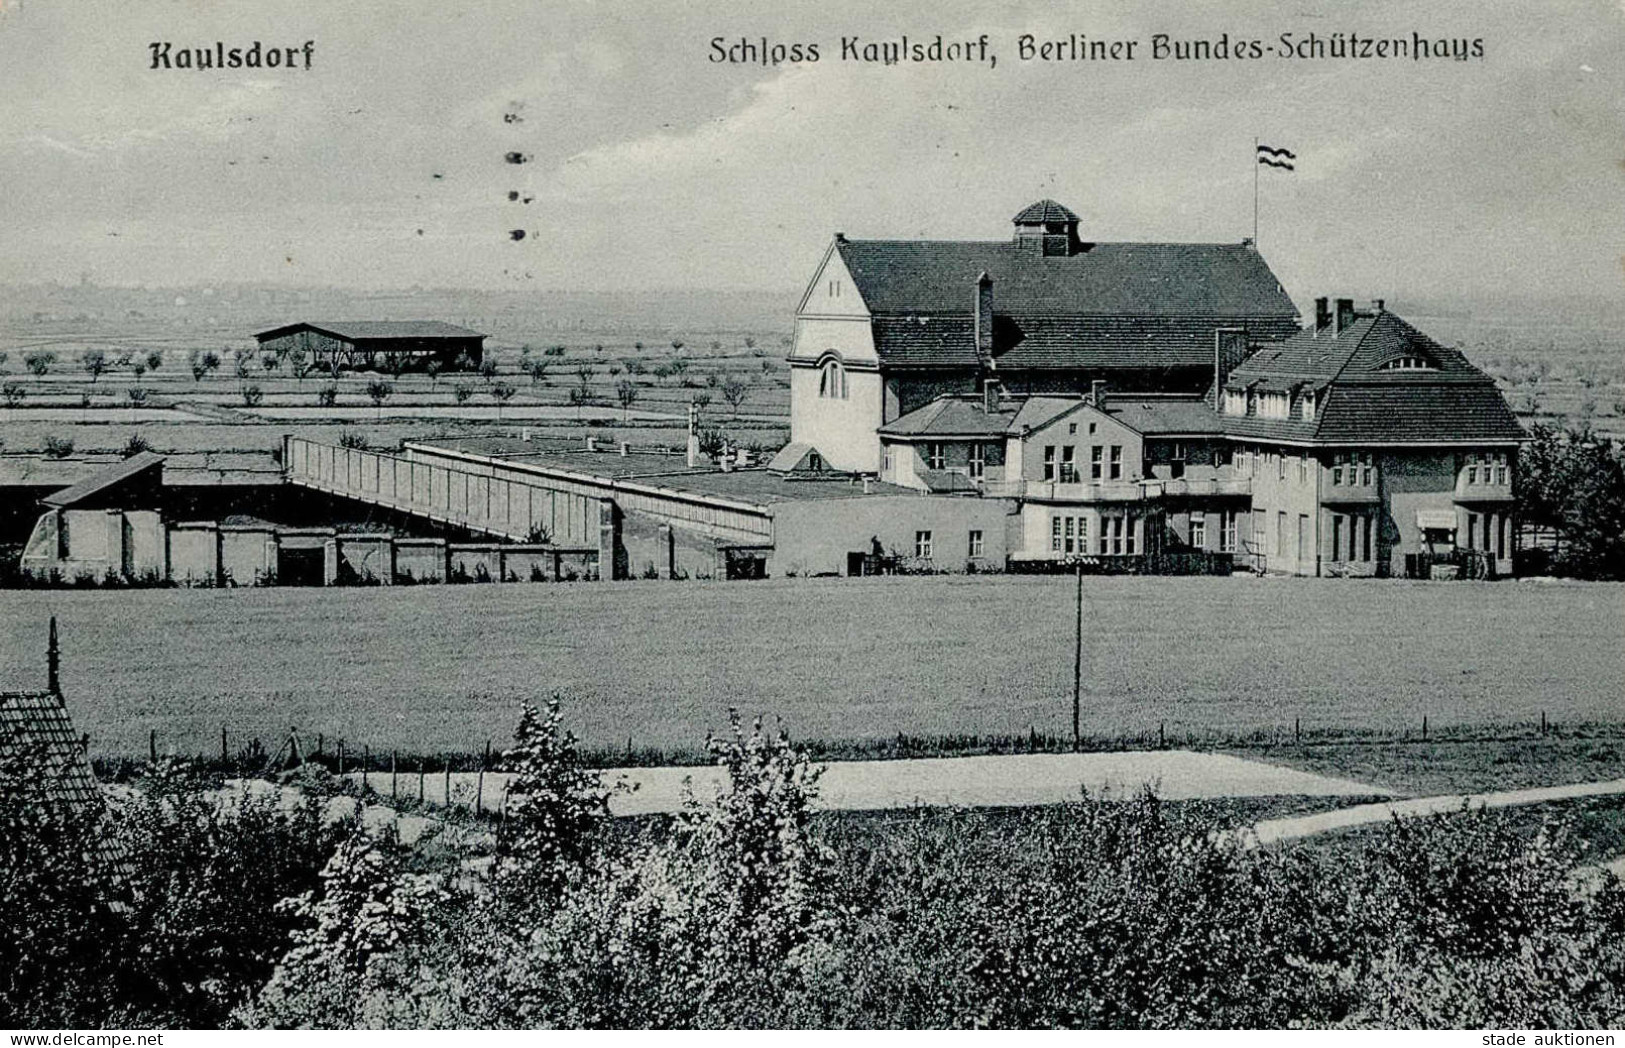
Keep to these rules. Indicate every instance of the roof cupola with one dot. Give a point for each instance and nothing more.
(1047, 228)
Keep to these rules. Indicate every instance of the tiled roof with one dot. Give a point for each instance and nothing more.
(105, 480)
(1102, 342)
(35, 728)
(1045, 211)
(1188, 417)
(359, 330)
(1038, 411)
(1361, 401)
(1062, 342)
(1128, 279)
(1361, 348)
(928, 341)
(952, 416)
(1417, 412)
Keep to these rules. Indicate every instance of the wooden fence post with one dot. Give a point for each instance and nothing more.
(421, 763)
(341, 757)
(152, 745)
(448, 781)
(392, 776)
(479, 788)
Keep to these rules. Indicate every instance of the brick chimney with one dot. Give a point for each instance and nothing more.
(1344, 316)
(1323, 314)
(991, 396)
(1229, 349)
(1377, 305)
(1097, 393)
(984, 319)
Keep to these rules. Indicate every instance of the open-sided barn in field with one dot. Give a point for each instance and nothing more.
(351, 344)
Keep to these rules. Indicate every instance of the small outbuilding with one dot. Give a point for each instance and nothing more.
(369, 344)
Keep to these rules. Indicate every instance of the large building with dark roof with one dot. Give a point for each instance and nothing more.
(887, 325)
(1133, 400)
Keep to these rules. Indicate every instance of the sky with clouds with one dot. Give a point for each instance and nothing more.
(652, 167)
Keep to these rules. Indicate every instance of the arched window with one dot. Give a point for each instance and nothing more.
(832, 380)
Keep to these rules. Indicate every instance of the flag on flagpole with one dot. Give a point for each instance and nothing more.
(1276, 157)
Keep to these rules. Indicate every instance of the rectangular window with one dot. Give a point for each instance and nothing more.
(1472, 528)
(1366, 527)
(1227, 531)
(1303, 537)
(934, 457)
(1094, 462)
(1128, 536)
(922, 545)
(1055, 534)
(1176, 460)
(1049, 461)
(1070, 535)
(1365, 470)
(1501, 534)
(1069, 467)
(1280, 465)
(1117, 462)
(1337, 470)
(1280, 533)
(978, 460)
(1198, 531)
(1337, 536)
(975, 543)
(886, 464)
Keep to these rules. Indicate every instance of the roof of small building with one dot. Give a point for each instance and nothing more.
(959, 415)
(362, 330)
(793, 458)
(953, 415)
(37, 739)
(1363, 401)
(106, 480)
(1184, 416)
(1045, 211)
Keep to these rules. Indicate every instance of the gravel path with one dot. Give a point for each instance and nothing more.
(1022, 779)
(1272, 830)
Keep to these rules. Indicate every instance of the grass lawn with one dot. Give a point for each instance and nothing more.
(1460, 765)
(432, 669)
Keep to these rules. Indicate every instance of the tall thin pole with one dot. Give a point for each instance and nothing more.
(1077, 665)
(53, 663)
(1255, 191)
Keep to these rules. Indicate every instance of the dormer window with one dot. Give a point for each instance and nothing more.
(832, 381)
(1306, 407)
(1270, 405)
(1408, 364)
(1235, 402)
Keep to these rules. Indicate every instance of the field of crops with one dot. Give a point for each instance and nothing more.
(440, 668)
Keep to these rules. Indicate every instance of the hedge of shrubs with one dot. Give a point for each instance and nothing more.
(749, 910)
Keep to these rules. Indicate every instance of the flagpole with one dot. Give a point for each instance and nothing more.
(1255, 190)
